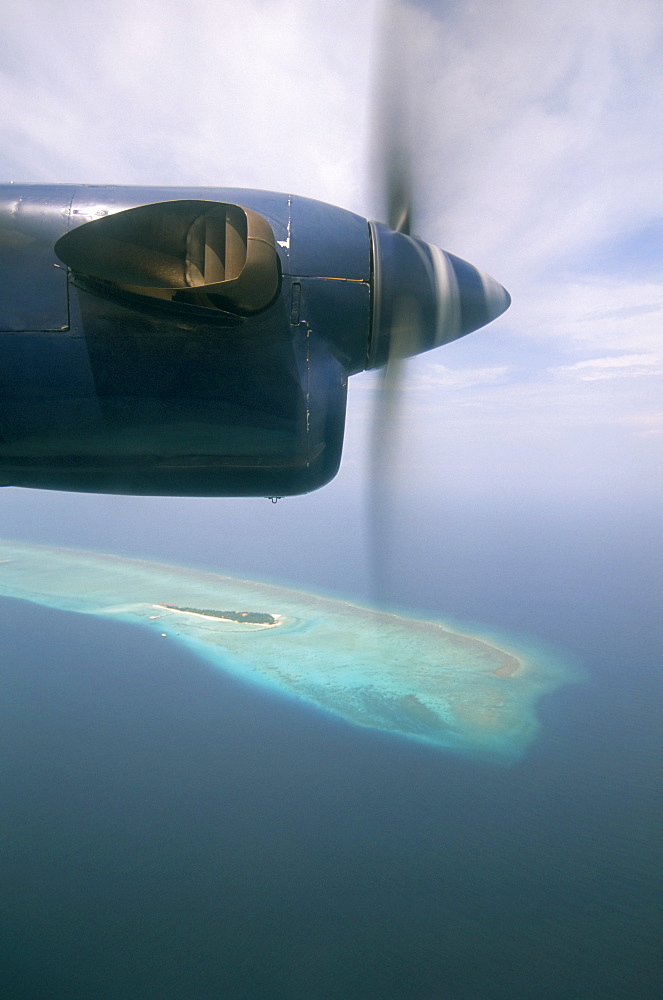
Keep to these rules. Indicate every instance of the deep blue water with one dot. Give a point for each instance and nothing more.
(170, 833)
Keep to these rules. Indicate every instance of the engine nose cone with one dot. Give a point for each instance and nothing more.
(467, 298)
(424, 297)
(497, 298)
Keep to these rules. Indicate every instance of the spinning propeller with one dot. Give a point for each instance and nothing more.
(438, 299)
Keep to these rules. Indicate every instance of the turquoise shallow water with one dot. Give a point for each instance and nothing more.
(423, 680)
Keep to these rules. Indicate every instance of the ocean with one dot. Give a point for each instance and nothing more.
(171, 832)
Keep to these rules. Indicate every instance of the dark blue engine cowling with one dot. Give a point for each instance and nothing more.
(138, 354)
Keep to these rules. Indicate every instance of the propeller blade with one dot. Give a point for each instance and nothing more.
(394, 115)
(393, 175)
(423, 296)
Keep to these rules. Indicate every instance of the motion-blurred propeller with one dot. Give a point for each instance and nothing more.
(424, 296)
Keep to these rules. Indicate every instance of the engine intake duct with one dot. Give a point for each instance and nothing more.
(209, 254)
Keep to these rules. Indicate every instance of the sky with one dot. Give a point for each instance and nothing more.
(539, 154)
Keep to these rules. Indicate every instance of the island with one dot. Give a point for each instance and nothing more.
(243, 617)
(465, 690)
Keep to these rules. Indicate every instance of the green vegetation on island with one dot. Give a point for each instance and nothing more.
(245, 617)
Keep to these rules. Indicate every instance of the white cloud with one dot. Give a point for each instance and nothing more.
(619, 366)
(546, 128)
(254, 94)
(648, 424)
(436, 376)
(597, 314)
(537, 119)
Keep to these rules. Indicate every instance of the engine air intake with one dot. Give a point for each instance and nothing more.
(209, 254)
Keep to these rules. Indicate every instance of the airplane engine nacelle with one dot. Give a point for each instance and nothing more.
(198, 342)
(155, 343)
